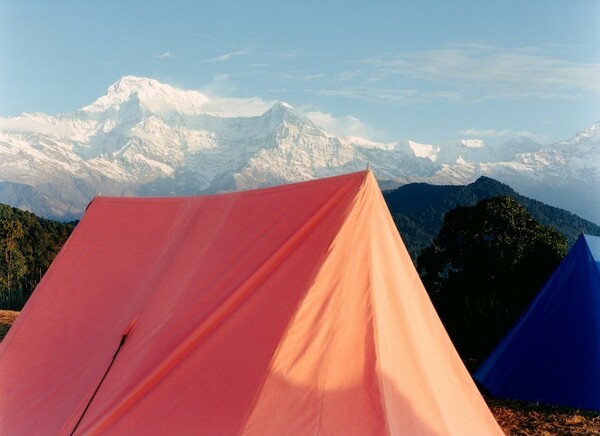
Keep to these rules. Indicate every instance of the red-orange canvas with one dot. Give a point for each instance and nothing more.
(286, 310)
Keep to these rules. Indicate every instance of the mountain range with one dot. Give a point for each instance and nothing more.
(144, 137)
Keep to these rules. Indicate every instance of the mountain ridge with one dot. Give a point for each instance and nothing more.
(144, 137)
(418, 210)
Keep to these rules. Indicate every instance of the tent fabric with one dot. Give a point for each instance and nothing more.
(286, 310)
(552, 354)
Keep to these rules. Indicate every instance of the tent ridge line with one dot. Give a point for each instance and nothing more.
(379, 371)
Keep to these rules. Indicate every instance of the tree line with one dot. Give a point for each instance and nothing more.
(28, 245)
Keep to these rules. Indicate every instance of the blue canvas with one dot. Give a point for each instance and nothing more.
(552, 353)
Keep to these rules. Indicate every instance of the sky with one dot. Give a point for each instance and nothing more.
(431, 71)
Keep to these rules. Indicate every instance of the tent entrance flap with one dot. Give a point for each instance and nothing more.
(112, 361)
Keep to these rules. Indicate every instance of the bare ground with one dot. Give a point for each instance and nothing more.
(520, 418)
(7, 317)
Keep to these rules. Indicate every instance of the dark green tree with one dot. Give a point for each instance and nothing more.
(484, 267)
(39, 244)
(12, 262)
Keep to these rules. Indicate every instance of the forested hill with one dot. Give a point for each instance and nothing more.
(418, 210)
(28, 245)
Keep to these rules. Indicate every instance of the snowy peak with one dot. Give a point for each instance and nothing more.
(281, 106)
(424, 150)
(149, 94)
(282, 112)
(278, 111)
(131, 84)
(589, 136)
(472, 143)
(591, 132)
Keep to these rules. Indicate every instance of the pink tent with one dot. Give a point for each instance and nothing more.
(287, 310)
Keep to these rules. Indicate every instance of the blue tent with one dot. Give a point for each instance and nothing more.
(552, 353)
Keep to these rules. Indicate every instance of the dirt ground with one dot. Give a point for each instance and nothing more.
(7, 317)
(515, 417)
(520, 418)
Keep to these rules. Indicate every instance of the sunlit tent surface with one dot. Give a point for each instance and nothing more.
(287, 310)
(552, 354)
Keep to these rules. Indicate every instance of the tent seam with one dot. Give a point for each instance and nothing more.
(326, 254)
(379, 371)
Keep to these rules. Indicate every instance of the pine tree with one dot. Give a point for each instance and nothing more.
(12, 263)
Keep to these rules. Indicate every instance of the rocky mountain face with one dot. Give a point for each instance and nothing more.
(148, 138)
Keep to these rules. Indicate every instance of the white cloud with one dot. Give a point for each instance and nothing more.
(341, 126)
(221, 92)
(221, 84)
(227, 56)
(470, 72)
(301, 76)
(237, 107)
(164, 55)
(389, 95)
(504, 135)
(25, 124)
(288, 55)
(490, 133)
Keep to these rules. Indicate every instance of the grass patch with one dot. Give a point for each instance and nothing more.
(7, 317)
(520, 418)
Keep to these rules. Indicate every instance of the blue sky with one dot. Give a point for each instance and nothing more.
(430, 71)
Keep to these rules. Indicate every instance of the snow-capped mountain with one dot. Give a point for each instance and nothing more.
(148, 138)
